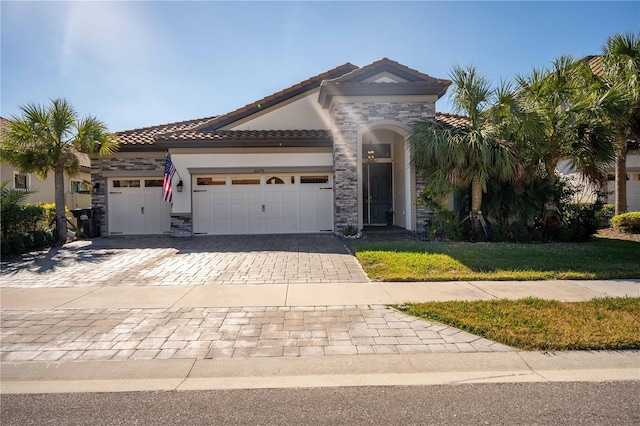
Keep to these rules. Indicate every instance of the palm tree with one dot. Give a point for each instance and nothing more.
(621, 69)
(44, 139)
(471, 155)
(575, 111)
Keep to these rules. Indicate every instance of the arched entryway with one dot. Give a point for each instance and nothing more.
(385, 178)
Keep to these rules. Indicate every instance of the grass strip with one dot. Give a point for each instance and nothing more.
(602, 258)
(538, 324)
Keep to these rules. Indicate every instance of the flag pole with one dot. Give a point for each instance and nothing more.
(167, 155)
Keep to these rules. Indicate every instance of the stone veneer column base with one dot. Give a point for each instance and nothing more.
(181, 225)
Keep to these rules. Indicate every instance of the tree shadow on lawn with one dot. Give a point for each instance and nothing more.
(615, 258)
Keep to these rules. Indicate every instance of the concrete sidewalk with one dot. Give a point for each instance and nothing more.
(326, 294)
(283, 335)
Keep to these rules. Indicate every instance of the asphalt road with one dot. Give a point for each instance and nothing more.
(593, 403)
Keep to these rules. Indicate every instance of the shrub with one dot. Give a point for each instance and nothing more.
(581, 221)
(39, 238)
(27, 241)
(350, 231)
(605, 214)
(5, 247)
(627, 222)
(443, 224)
(16, 244)
(31, 215)
(24, 227)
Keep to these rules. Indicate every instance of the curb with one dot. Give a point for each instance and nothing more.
(326, 371)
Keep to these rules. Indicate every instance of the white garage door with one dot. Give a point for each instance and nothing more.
(136, 207)
(254, 204)
(633, 192)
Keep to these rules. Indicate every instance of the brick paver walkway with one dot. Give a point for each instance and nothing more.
(162, 260)
(199, 333)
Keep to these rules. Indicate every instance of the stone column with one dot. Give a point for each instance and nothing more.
(347, 118)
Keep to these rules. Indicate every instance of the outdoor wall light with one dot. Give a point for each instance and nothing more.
(179, 186)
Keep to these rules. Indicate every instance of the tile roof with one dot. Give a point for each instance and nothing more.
(220, 135)
(354, 83)
(146, 135)
(3, 125)
(452, 120)
(595, 63)
(209, 128)
(386, 64)
(266, 102)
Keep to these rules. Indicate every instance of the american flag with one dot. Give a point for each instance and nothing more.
(169, 171)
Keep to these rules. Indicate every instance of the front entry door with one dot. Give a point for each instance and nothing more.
(377, 193)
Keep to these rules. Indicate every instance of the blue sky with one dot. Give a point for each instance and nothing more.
(135, 64)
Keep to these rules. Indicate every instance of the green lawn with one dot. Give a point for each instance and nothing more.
(603, 258)
(536, 324)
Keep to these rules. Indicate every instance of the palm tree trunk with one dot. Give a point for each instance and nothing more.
(61, 217)
(621, 174)
(550, 202)
(476, 195)
(476, 203)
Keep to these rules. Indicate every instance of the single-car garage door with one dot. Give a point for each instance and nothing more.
(262, 204)
(136, 207)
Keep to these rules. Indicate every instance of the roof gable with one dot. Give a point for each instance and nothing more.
(388, 66)
(377, 79)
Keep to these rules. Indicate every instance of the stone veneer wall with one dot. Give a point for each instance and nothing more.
(421, 211)
(181, 225)
(347, 119)
(100, 165)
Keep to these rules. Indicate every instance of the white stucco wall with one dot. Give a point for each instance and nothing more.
(588, 194)
(183, 162)
(302, 113)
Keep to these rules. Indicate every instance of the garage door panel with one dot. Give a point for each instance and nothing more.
(220, 207)
(243, 208)
(324, 204)
(137, 209)
(274, 212)
(290, 211)
(633, 194)
(135, 221)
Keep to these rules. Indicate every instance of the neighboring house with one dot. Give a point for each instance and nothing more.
(77, 190)
(633, 165)
(327, 153)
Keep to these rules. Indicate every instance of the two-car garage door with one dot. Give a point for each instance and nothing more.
(262, 204)
(226, 204)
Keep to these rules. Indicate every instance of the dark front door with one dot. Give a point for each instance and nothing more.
(377, 192)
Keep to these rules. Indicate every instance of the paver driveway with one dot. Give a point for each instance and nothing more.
(120, 333)
(162, 260)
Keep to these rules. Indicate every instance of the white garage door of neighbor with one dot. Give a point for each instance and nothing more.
(254, 204)
(633, 192)
(136, 207)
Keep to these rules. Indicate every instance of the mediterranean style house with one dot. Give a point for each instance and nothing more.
(323, 155)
